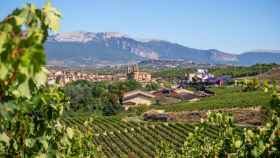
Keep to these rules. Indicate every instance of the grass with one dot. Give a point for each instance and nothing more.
(227, 97)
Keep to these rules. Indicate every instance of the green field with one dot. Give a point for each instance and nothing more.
(118, 138)
(226, 97)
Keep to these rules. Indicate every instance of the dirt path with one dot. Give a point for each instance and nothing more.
(253, 116)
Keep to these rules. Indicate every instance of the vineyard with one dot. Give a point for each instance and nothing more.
(118, 138)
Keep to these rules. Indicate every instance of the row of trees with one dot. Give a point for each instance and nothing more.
(99, 97)
(234, 71)
(242, 71)
(171, 74)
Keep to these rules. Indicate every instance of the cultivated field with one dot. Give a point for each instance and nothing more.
(141, 139)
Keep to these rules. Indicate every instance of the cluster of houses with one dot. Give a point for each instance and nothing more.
(162, 96)
(63, 77)
(177, 93)
(202, 76)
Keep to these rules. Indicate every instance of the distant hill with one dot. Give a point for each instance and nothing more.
(107, 48)
(259, 56)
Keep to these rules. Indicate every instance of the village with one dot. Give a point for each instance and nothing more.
(191, 89)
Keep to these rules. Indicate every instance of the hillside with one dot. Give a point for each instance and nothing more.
(227, 97)
(106, 48)
(259, 56)
(273, 75)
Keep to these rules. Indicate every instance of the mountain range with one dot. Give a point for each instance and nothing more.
(109, 48)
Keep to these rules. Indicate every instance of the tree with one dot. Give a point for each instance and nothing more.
(82, 95)
(152, 86)
(97, 97)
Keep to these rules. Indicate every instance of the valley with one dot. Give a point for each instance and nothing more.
(86, 94)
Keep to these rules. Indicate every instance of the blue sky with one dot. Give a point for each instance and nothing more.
(232, 26)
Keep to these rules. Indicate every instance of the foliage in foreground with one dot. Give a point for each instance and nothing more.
(30, 113)
(231, 141)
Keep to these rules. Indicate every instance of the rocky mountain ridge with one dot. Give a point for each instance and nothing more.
(83, 48)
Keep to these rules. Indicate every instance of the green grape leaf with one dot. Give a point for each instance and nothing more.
(31, 8)
(41, 77)
(19, 20)
(3, 71)
(70, 132)
(52, 16)
(4, 138)
(29, 142)
(45, 144)
(3, 38)
(23, 66)
(237, 143)
(41, 155)
(23, 90)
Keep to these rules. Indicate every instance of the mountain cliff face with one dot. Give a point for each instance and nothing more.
(86, 48)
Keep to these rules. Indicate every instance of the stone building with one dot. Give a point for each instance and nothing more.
(137, 98)
(133, 73)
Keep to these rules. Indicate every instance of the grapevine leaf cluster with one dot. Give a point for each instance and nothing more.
(231, 140)
(30, 111)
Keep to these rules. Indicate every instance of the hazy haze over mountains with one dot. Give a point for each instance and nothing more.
(106, 48)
